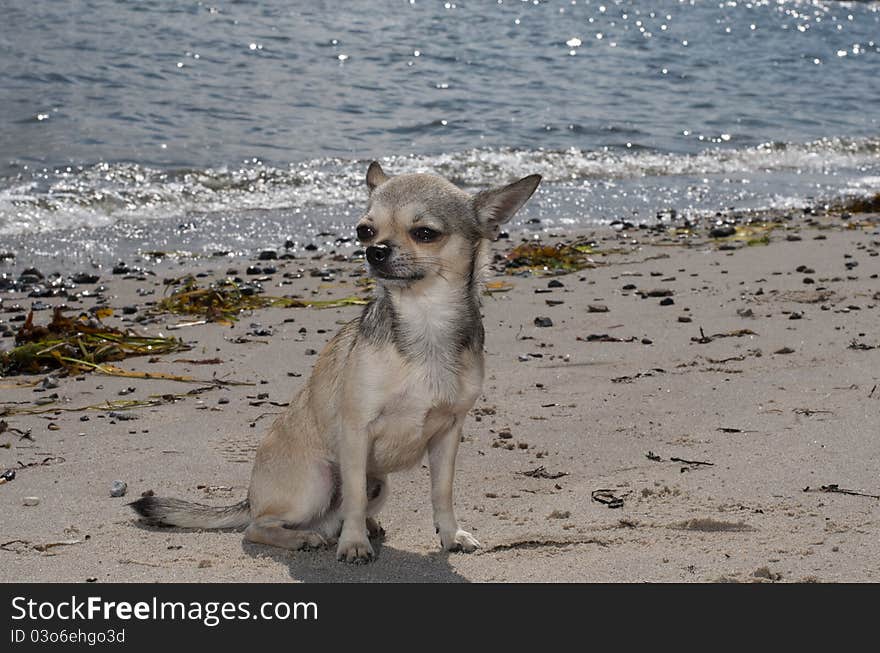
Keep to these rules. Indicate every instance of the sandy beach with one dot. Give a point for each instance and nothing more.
(695, 409)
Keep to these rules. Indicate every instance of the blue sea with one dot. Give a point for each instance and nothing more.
(196, 127)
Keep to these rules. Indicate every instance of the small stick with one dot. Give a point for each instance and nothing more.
(690, 462)
(835, 488)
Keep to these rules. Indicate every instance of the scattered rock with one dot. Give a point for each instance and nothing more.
(118, 488)
(722, 232)
(30, 501)
(543, 322)
(764, 572)
(597, 308)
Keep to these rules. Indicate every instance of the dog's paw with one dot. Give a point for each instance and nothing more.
(460, 541)
(355, 551)
(313, 540)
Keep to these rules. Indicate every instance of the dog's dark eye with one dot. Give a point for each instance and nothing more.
(365, 232)
(425, 234)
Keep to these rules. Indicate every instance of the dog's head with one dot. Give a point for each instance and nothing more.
(419, 226)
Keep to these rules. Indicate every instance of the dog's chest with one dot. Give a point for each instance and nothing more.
(413, 412)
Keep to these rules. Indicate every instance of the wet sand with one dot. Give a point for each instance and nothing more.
(682, 435)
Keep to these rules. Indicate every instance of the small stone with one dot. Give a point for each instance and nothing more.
(658, 292)
(809, 280)
(559, 514)
(268, 255)
(31, 501)
(555, 283)
(667, 301)
(784, 350)
(129, 310)
(543, 322)
(722, 231)
(597, 308)
(685, 319)
(745, 312)
(311, 352)
(118, 488)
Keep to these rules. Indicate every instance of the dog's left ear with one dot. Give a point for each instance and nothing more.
(496, 206)
(375, 176)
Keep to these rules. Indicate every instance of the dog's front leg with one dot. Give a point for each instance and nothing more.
(442, 449)
(354, 545)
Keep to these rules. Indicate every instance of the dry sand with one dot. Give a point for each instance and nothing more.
(771, 424)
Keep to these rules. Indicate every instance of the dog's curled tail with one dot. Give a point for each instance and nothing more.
(158, 511)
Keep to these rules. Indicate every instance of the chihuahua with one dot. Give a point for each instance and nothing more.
(392, 384)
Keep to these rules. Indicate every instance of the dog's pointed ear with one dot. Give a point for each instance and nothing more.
(375, 176)
(496, 206)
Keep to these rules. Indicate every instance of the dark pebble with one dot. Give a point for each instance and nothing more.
(129, 310)
(667, 301)
(658, 292)
(85, 278)
(685, 319)
(311, 247)
(310, 352)
(253, 269)
(597, 308)
(555, 283)
(543, 322)
(809, 280)
(267, 255)
(722, 232)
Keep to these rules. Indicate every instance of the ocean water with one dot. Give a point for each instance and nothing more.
(235, 126)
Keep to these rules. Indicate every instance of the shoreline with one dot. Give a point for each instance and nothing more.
(701, 380)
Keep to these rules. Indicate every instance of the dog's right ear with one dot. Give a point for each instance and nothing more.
(496, 206)
(375, 176)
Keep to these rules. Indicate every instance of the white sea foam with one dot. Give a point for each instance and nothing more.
(107, 193)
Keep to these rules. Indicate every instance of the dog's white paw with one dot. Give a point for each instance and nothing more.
(460, 541)
(355, 551)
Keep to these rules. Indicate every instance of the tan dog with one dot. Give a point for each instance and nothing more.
(392, 384)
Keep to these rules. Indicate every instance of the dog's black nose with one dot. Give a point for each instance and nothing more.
(378, 254)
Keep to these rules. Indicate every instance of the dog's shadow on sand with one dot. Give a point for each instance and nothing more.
(389, 566)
